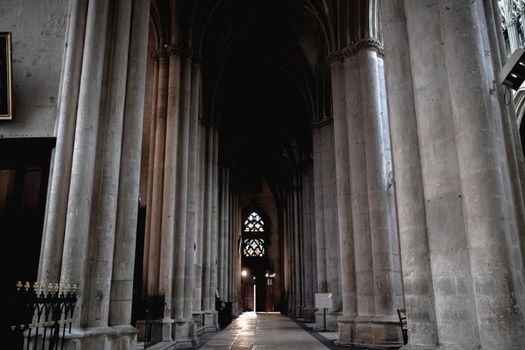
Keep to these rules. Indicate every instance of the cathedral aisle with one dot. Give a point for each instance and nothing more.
(263, 331)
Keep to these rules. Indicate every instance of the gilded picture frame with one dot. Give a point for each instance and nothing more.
(6, 77)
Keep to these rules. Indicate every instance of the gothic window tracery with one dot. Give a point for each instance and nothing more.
(253, 243)
(254, 223)
(254, 247)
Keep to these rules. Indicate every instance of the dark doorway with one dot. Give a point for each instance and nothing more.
(24, 173)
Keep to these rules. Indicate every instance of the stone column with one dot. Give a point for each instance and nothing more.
(344, 210)
(308, 251)
(101, 204)
(288, 253)
(146, 287)
(415, 255)
(83, 165)
(448, 244)
(469, 222)
(201, 221)
(297, 231)
(193, 194)
(157, 163)
(214, 225)
(227, 250)
(56, 208)
(514, 179)
(107, 171)
(366, 199)
(383, 227)
(125, 235)
(171, 123)
(501, 325)
(222, 232)
(206, 307)
(180, 331)
(330, 224)
(319, 218)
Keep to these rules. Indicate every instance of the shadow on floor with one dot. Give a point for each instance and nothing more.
(329, 343)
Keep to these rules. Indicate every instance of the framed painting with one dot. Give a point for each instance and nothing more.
(6, 77)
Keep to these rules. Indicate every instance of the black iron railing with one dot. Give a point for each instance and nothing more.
(42, 315)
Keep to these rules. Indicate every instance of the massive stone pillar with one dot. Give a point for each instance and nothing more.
(368, 231)
(346, 240)
(326, 221)
(101, 204)
(297, 242)
(193, 194)
(308, 249)
(107, 171)
(214, 226)
(128, 192)
(210, 242)
(56, 208)
(318, 210)
(471, 210)
(415, 254)
(201, 225)
(153, 232)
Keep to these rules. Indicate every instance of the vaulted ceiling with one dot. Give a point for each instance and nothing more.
(265, 72)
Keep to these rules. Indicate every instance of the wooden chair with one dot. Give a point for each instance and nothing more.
(402, 313)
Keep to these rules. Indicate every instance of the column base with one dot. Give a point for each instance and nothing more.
(309, 315)
(331, 321)
(211, 320)
(184, 334)
(369, 332)
(299, 312)
(159, 330)
(198, 318)
(108, 338)
(235, 309)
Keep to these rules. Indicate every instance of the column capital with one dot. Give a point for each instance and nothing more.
(319, 123)
(160, 54)
(355, 48)
(176, 50)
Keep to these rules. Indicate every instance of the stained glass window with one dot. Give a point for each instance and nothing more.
(253, 247)
(254, 223)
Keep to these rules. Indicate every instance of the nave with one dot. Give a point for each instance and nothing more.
(258, 331)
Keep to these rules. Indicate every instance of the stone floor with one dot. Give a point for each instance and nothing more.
(264, 331)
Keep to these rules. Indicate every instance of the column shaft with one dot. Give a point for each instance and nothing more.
(208, 221)
(215, 218)
(449, 258)
(181, 205)
(55, 222)
(154, 253)
(344, 210)
(191, 223)
(418, 288)
(319, 217)
(126, 226)
(151, 165)
(83, 165)
(108, 170)
(171, 158)
(480, 177)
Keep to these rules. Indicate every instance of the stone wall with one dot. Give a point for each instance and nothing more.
(38, 35)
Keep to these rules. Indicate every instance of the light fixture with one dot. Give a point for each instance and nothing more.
(244, 273)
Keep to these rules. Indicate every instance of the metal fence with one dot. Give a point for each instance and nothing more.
(42, 315)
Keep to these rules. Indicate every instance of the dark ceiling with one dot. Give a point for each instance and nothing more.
(265, 79)
(258, 86)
